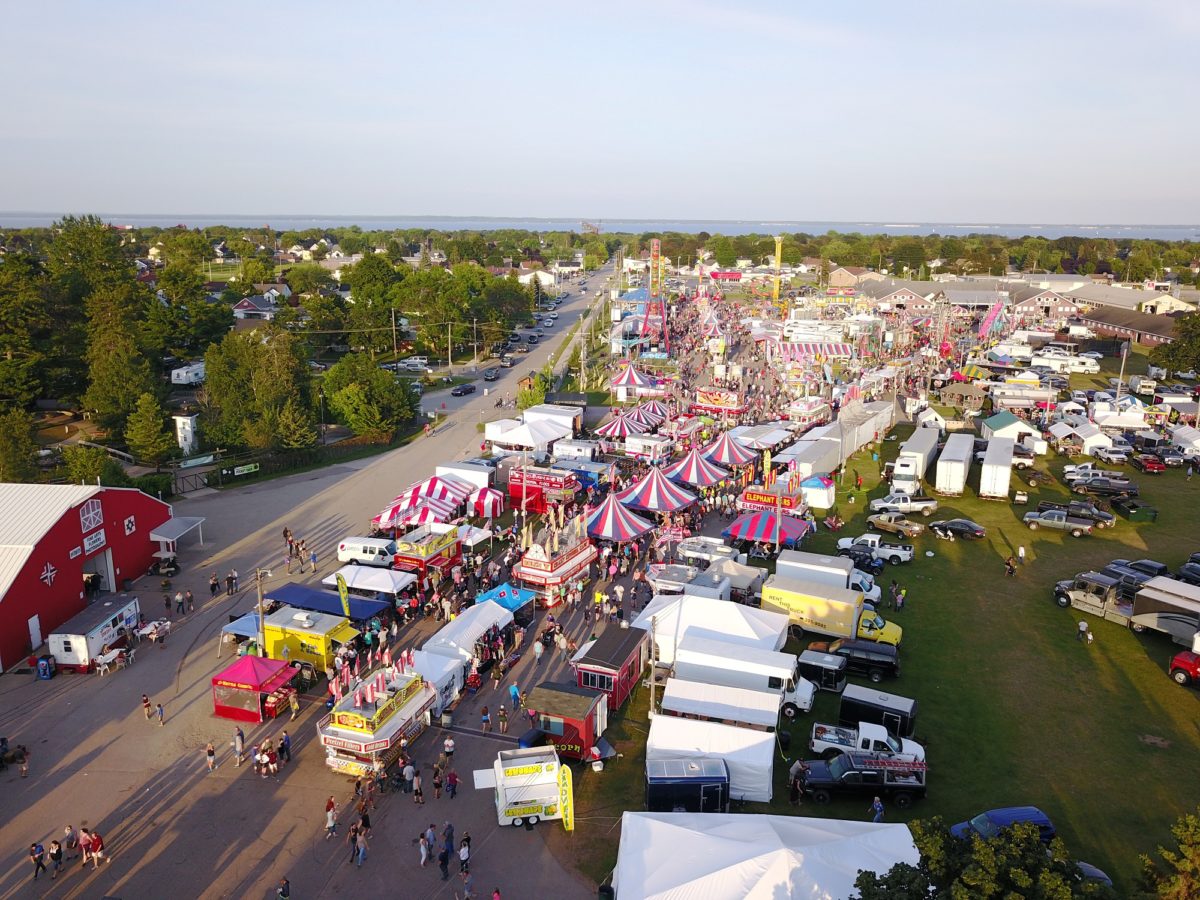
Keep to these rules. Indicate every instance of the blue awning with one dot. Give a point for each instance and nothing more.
(509, 597)
(302, 597)
(244, 627)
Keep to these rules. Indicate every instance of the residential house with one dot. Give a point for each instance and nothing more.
(567, 266)
(255, 307)
(851, 276)
(1139, 327)
(891, 294)
(275, 291)
(546, 279)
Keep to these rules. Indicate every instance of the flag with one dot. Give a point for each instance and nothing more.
(344, 593)
(358, 699)
(369, 694)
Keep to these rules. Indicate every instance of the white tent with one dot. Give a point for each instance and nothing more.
(445, 673)
(1061, 430)
(457, 638)
(751, 857)
(931, 418)
(741, 577)
(528, 435)
(1091, 438)
(1185, 437)
(360, 579)
(714, 701)
(749, 754)
(812, 456)
(672, 616)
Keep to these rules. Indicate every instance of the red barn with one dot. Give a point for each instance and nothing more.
(571, 717)
(614, 663)
(54, 539)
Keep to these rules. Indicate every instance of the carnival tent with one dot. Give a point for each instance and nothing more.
(518, 601)
(438, 487)
(733, 856)
(488, 503)
(695, 470)
(620, 427)
(818, 491)
(669, 617)
(645, 416)
(631, 377)
(371, 579)
(767, 527)
(655, 493)
(457, 638)
(426, 512)
(725, 451)
(657, 407)
(749, 754)
(239, 690)
(613, 522)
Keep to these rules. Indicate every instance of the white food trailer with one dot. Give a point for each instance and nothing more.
(530, 786)
(77, 642)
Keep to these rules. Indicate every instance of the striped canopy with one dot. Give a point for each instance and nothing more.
(655, 493)
(713, 330)
(613, 522)
(725, 451)
(427, 511)
(657, 407)
(809, 349)
(390, 515)
(620, 427)
(487, 503)
(766, 527)
(644, 417)
(631, 377)
(439, 487)
(695, 470)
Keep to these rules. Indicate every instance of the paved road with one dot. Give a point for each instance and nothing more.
(176, 831)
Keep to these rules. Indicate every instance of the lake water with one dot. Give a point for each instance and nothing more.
(635, 226)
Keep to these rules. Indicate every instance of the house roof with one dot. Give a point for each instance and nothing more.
(1000, 420)
(1021, 294)
(882, 287)
(613, 648)
(27, 512)
(1146, 323)
(559, 699)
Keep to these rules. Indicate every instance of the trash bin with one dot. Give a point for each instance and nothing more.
(785, 740)
(46, 668)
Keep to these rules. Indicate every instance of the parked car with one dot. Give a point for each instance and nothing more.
(905, 503)
(863, 560)
(988, 824)
(1171, 458)
(1092, 354)
(507, 362)
(1111, 455)
(1129, 581)
(1189, 573)
(1060, 519)
(868, 658)
(531, 338)
(1187, 374)
(896, 523)
(462, 390)
(880, 549)
(959, 528)
(1149, 464)
(865, 775)
(1151, 567)
(491, 375)
(1185, 668)
(547, 323)
(1106, 487)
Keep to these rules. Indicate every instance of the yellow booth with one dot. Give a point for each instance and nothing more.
(295, 634)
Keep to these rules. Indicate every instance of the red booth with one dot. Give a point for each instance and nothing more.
(571, 717)
(535, 489)
(613, 663)
(252, 689)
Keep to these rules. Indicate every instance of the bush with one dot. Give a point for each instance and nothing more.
(156, 484)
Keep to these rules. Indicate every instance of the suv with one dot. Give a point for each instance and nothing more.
(988, 824)
(1129, 581)
(864, 657)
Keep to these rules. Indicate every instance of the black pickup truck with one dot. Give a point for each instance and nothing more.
(1081, 510)
(899, 781)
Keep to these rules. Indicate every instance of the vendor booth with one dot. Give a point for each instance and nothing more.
(521, 602)
(252, 689)
(719, 402)
(613, 663)
(672, 617)
(776, 498)
(301, 634)
(535, 488)
(818, 492)
(480, 637)
(374, 721)
(241, 633)
(572, 718)
(745, 582)
(544, 565)
(80, 641)
(371, 582)
(428, 549)
(749, 754)
(808, 412)
(444, 674)
(303, 597)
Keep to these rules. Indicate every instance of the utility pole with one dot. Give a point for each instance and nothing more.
(583, 336)
(259, 575)
(449, 350)
(395, 346)
(475, 339)
(653, 660)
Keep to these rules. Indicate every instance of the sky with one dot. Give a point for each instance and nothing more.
(1056, 111)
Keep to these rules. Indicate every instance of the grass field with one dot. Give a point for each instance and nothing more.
(1013, 709)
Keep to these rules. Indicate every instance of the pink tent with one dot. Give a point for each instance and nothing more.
(725, 451)
(654, 492)
(487, 503)
(631, 377)
(439, 487)
(613, 522)
(695, 470)
(656, 407)
(644, 417)
(620, 428)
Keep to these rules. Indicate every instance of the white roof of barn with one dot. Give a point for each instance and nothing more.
(27, 512)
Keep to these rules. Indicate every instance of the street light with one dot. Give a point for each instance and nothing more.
(321, 394)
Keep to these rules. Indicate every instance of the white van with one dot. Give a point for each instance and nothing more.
(363, 551)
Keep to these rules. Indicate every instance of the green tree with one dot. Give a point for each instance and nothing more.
(89, 465)
(1175, 875)
(254, 270)
(24, 329)
(722, 250)
(85, 256)
(378, 403)
(146, 432)
(353, 405)
(308, 278)
(117, 369)
(1184, 351)
(17, 446)
(294, 428)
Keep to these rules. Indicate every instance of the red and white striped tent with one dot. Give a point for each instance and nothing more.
(487, 503)
(439, 487)
(611, 521)
(428, 510)
(643, 416)
(725, 451)
(620, 427)
(657, 407)
(804, 350)
(695, 470)
(631, 377)
(655, 493)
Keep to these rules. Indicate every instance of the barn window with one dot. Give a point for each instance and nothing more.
(91, 515)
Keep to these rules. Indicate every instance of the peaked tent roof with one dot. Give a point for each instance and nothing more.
(751, 857)
(655, 493)
(255, 672)
(613, 522)
(694, 469)
(631, 377)
(620, 427)
(725, 451)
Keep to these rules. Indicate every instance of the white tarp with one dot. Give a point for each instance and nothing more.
(674, 616)
(749, 754)
(751, 857)
(457, 638)
(444, 673)
(741, 577)
(715, 701)
(371, 578)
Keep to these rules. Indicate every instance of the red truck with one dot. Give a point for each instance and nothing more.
(1185, 667)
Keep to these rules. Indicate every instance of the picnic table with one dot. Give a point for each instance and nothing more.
(105, 661)
(156, 630)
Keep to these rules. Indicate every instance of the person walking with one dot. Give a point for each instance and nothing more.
(285, 747)
(160, 714)
(438, 779)
(56, 859)
(179, 603)
(424, 845)
(502, 717)
(191, 600)
(330, 817)
(166, 606)
(312, 558)
(877, 809)
(464, 855)
(147, 707)
(538, 649)
(468, 886)
(448, 748)
(418, 791)
(70, 842)
(294, 703)
(352, 840)
(37, 854)
(410, 773)
(239, 746)
(451, 784)
(485, 721)
(97, 851)
(514, 694)
(444, 855)
(229, 585)
(360, 844)
(210, 757)
(214, 585)
(284, 890)
(85, 846)
(1082, 632)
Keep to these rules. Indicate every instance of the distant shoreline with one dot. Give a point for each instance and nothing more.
(1184, 232)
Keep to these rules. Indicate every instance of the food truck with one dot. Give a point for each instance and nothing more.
(808, 412)
(105, 624)
(530, 786)
(427, 549)
(535, 488)
(367, 730)
(300, 634)
(554, 562)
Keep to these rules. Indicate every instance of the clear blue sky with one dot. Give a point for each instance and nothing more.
(1020, 111)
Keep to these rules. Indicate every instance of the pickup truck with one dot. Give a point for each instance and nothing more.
(829, 741)
(896, 523)
(1112, 456)
(1058, 518)
(898, 781)
(1083, 510)
(892, 553)
(1185, 669)
(904, 503)
(1086, 470)
(1106, 487)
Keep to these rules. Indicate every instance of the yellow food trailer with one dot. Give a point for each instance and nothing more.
(295, 634)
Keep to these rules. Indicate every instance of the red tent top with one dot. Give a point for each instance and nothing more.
(254, 673)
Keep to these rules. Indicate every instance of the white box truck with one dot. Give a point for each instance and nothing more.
(997, 469)
(712, 661)
(954, 464)
(913, 462)
(835, 571)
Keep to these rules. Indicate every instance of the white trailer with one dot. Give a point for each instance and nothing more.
(567, 416)
(77, 642)
(720, 703)
(996, 472)
(954, 464)
(1013, 350)
(572, 449)
(192, 373)
(529, 785)
(737, 665)
(913, 462)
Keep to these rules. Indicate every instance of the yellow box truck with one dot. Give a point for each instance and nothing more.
(824, 609)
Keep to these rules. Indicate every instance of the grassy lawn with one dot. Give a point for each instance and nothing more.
(1013, 709)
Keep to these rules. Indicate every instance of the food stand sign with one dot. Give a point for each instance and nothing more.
(566, 797)
(752, 499)
(431, 547)
(344, 593)
(718, 399)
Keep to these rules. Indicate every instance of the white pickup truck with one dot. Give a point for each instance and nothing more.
(829, 741)
(890, 553)
(905, 503)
